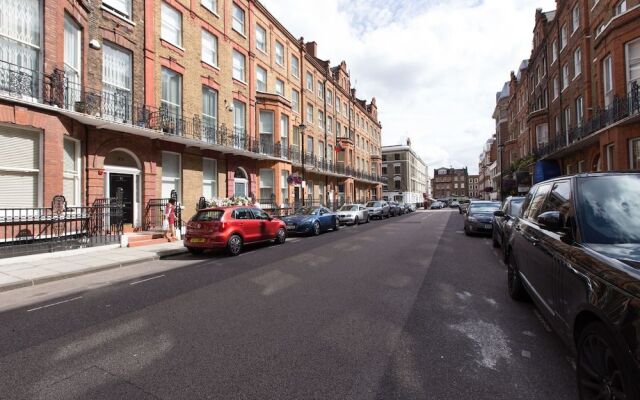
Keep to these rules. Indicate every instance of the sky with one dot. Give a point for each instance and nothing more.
(434, 66)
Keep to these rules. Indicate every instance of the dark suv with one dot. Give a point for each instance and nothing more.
(575, 250)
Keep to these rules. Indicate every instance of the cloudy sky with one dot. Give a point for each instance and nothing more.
(434, 66)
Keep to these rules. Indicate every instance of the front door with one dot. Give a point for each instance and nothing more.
(124, 181)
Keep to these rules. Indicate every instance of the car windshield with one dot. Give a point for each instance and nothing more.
(609, 209)
(373, 204)
(349, 208)
(306, 210)
(484, 208)
(516, 206)
(208, 215)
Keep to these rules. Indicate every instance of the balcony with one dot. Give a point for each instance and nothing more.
(622, 110)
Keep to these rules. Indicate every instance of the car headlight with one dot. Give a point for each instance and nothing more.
(472, 219)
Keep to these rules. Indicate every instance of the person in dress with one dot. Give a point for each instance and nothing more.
(170, 220)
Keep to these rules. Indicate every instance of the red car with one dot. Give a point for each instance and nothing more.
(232, 228)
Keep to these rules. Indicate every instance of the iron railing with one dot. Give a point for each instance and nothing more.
(620, 108)
(26, 231)
(116, 105)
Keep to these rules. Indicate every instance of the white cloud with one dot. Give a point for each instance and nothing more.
(434, 66)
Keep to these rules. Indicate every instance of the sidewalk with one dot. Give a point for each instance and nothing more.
(24, 271)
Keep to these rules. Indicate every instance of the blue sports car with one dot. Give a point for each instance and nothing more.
(312, 220)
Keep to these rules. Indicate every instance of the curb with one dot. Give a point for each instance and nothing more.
(38, 281)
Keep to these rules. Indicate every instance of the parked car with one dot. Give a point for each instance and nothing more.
(232, 228)
(354, 214)
(312, 220)
(378, 209)
(436, 205)
(464, 206)
(409, 207)
(395, 209)
(454, 204)
(479, 217)
(575, 251)
(504, 219)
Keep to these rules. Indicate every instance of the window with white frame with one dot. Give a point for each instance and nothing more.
(577, 62)
(579, 111)
(565, 76)
(72, 61)
(266, 126)
(610, 156)
(542, 135)
(20, 37)
(211, 5)
(329, 124)
(320, 89)
(309, 148)
(209, 178)
(261, 79)
(279, 53)
(567, 119)
(556, 87)
(209, 112)
(280, 87)
(170, 174)
(338, 104)
(633, 62)
(621, 7)
(239, 119)
(284, 133)
(295, 100)
(295, 66)
(172, 92)
(237, 16)
(563, 37)
(121, 7)
(261, 38)
(321, 119)
(284, 186)
(309, 114)
(309, 80)
(266, 184)
(554, 50)
(117, 81)
(557, 124)
(575, 17)
(607, 81)
(634, 153)
(209, 48)
(581, 166)
(71, 173)
(330, 97)
(19, 167)
(239, 62)
(171, 29)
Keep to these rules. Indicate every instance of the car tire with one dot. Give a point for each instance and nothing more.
(356, 221)
(495, 243)
(234, 245)
(602, 365)
(466, 231)
(336, 226)
(368, 219)
(515, 286)
(281, 236)
(316, 228)
(195, 250)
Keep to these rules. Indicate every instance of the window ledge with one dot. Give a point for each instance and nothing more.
(119, 16)
(244, 83)
(239, 33)
(167, 44)
(215, 13)
(206, 65)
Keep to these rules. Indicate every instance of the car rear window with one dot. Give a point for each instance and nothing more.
(209, 215)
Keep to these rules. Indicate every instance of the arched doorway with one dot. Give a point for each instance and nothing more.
(122, 170)
(241, 183)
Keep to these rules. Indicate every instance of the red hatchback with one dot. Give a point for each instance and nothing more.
(232, 228)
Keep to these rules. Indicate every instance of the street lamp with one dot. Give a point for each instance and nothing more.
(301, 128)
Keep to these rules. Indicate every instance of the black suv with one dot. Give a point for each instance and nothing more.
(575, 250)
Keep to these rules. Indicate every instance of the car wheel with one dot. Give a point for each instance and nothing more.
(514, 281)
(316, 228)
(496, 244)
(234, 245)
(195, 251)
(356, 221)
(281, 236)
(466, 231)
(368, 219)
(602, 367)
(336, 226)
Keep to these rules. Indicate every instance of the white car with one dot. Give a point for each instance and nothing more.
(354, 214)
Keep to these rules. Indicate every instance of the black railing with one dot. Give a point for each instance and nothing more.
(26, 231)
(620, 108)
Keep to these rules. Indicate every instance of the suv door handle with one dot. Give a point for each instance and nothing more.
(531, 239)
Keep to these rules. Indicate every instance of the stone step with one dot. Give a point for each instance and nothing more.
(148, 242)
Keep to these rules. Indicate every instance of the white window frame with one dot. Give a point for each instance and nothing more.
(207, 117)
(295, 100)
(609, 152)
(309, 114)
(261, 45)
(284, 186)
(575, 18)
(122, 7)
(75, 175)
(295, 66)
(210, 44)
(238, 24)
(579, 111)
(73, 68)
(212, 182)
(279, 87)
(239, 71)
(556, 87)
(567, 119)
(621, 7)
(279, 54)
(309, 81)
(565, 77)
(168, 102)
(263, 186)
(607, 80)
(554, 50)
(564, 32)
(168, 27)
(627, 46)
(261, 84)
(577, 63)
(211, 5)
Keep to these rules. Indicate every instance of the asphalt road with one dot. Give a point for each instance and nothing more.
(407, 308)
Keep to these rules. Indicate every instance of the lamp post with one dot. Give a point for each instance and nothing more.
(301, 128)
(500, 147)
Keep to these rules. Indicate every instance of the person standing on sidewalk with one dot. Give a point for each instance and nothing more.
(169, 220)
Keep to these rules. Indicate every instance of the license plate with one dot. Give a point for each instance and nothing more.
(487, 226)
(197, 240)
(291, 227)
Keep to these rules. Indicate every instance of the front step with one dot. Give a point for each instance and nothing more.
(145, 239)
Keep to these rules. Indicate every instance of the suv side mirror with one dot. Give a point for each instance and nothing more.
(498, 213)
(551, 220)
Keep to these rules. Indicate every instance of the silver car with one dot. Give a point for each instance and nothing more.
(378, 209)
(354, 214)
